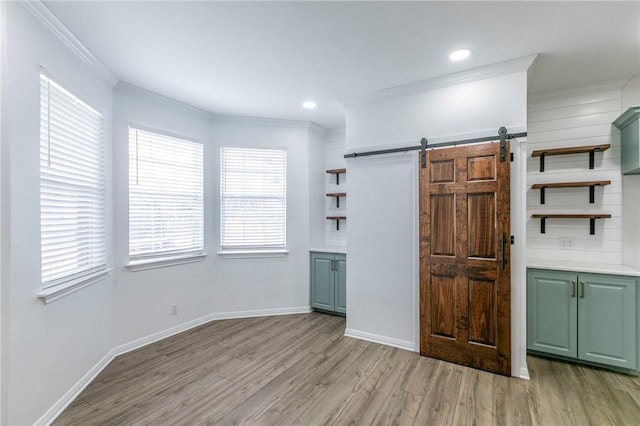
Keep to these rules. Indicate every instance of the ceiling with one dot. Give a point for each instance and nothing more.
(263, 59)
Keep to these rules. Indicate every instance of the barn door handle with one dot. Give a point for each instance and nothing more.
(503, 245)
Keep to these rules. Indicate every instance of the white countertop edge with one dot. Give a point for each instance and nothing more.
(596, 268)
(329, 249)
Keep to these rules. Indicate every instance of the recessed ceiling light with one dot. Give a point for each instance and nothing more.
(309, 105)
(459, 55)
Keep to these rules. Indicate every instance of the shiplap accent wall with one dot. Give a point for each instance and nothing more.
(334, 159)
(575, 118)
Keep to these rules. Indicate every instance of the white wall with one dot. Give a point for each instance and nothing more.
(50, 351)
(334, 159)
(462, 110)
(317, 141)
(4, 335)
(48, 348)
(218, 285)
(574, 118)
(382, 278)
(631, 191)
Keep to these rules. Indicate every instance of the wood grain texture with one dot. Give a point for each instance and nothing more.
(479, 217)
(443, 224)
(571, 184)
(481, 225)
(572, 216)
(301, 370)
(570, 150)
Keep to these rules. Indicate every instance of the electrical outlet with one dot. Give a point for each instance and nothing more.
(174, 309)
(567, 243)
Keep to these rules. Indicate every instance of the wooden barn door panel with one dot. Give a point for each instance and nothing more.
(465, 295)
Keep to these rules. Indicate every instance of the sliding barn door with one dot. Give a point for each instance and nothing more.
(465, 295)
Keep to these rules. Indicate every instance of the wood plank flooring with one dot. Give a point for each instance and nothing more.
(300, 369)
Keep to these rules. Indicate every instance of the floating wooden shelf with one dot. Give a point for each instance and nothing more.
(337, 219)
(591, 149)
(591, 216)
(337, 196)
(337, 172)
(590, 184)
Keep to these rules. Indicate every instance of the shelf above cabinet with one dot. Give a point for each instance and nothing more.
(592, 219)
(590, 184)
(337, 172)
(591, 149)
(337, 219)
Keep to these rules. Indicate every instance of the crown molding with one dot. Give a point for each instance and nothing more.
(267, 122)
(44, 15)
(147, 95)
(583, 89)
(138, 92)
(627, 117)
(469, 76)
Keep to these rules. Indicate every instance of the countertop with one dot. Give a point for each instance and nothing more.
(596, 268)
(330, 249)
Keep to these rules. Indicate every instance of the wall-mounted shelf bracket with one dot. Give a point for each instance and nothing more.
(590, 149)
(592, 219)
(337, 195)
(590, 184)
(337, 172)
(337, 219)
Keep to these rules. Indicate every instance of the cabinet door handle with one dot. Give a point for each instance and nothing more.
(573, 289)
(333, 265)
(582, 289)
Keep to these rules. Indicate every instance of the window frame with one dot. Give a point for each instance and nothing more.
(50, 179)
(254, 251)
(148, 260)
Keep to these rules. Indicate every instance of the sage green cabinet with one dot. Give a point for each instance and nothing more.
(328, 282)
(588, 317)
(629, 125)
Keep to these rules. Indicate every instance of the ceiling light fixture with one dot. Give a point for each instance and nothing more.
(459, 55)
(309, 105)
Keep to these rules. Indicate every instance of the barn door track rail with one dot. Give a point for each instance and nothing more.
(424, 145)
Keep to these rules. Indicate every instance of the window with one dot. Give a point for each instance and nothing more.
(72, 186)
(253, 199)
(165, 196)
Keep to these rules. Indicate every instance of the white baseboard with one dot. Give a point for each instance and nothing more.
(143, 341)
(57, 409)
(384, 340)
(524, 373)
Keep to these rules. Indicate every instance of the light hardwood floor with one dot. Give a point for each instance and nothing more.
(300, 369)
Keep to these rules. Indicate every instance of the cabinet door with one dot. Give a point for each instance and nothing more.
(552, 312)
(322, 282)
(341, 284)
(607, 320)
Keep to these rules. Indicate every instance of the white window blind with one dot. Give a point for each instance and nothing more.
(253, 204)
(72, 186)
(165, 196)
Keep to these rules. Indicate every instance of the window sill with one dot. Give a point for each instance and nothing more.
(163, 262)
(59, 291)
(253, 254)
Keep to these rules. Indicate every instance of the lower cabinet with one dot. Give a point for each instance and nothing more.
(587, 317)
(328, 282)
